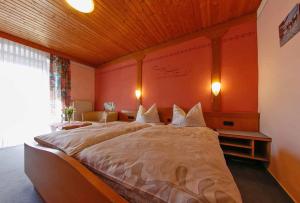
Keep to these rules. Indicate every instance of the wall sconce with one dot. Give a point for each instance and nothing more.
(216, 88)
(138, 94)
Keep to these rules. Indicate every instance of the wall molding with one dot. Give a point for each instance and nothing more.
(261, 7)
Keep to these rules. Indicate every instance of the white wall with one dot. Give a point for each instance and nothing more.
(279, 94)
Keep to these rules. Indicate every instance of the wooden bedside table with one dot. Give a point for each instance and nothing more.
(251, 145)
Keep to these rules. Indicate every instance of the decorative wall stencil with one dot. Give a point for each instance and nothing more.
(194, 48)
(169, 71)
(237, 37)
(290, 26)
(179, 52)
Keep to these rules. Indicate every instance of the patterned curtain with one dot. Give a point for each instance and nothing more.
(60, 83)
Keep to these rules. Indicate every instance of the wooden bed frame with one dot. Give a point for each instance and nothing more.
(59, 178)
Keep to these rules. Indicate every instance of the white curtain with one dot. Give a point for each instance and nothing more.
(25, 93)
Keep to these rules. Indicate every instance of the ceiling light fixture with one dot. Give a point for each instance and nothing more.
(84, 6)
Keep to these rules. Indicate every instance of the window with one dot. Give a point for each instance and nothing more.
(25, 93)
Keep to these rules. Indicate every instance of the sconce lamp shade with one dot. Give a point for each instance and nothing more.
(216, 88)
(138, 94)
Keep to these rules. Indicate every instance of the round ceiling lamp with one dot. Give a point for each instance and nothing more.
(84, 6)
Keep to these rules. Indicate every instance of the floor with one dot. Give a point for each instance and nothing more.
(255, 183)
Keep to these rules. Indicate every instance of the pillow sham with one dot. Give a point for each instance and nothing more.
(194, 118)
(150, 116)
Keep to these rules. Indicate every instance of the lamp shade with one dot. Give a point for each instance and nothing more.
(138, 94)
(216, 88)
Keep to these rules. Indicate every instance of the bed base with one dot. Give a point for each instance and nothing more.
(59, 178)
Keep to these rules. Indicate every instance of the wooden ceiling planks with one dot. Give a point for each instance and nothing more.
(115, 28)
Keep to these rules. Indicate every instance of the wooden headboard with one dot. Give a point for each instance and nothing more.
(245, 121)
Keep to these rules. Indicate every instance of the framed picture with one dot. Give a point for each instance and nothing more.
(290, 26)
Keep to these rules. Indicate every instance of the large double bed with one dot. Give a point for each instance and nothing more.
(131, 162)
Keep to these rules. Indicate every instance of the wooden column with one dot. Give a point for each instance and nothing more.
(139, 70)
(216, 43)
(216, 71)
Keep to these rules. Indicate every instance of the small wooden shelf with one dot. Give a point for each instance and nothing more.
(261, 158)
(235, 145)
(236, 152)
(229, 141)
(251, 145)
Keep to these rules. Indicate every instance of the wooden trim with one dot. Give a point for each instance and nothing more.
(203, 32)
(216, 71)
(61, 178)
(247, 148)
(43, 48)
(282, 186)
(235, 145)
(216, 43)
(139, 73)
(246, 137)
(253, 148)
(245, 115)
(244, 121)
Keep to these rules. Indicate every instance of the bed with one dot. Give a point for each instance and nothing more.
(196, 173)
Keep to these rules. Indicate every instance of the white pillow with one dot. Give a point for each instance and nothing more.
(150, 116)
(194, 118)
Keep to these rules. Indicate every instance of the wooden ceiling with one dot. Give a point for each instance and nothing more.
(116, 27)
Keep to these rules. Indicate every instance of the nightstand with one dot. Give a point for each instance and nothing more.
(250, 145)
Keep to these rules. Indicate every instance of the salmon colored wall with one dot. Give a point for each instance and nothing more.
(279, 95)
(116, 83)
(82, 82)
(181, 74)
(239, 72)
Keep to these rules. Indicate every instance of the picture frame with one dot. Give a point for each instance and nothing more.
(290, 26)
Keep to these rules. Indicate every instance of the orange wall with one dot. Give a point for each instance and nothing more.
(116, 83)
(239, 69)
(181, 74)
(279, 95)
